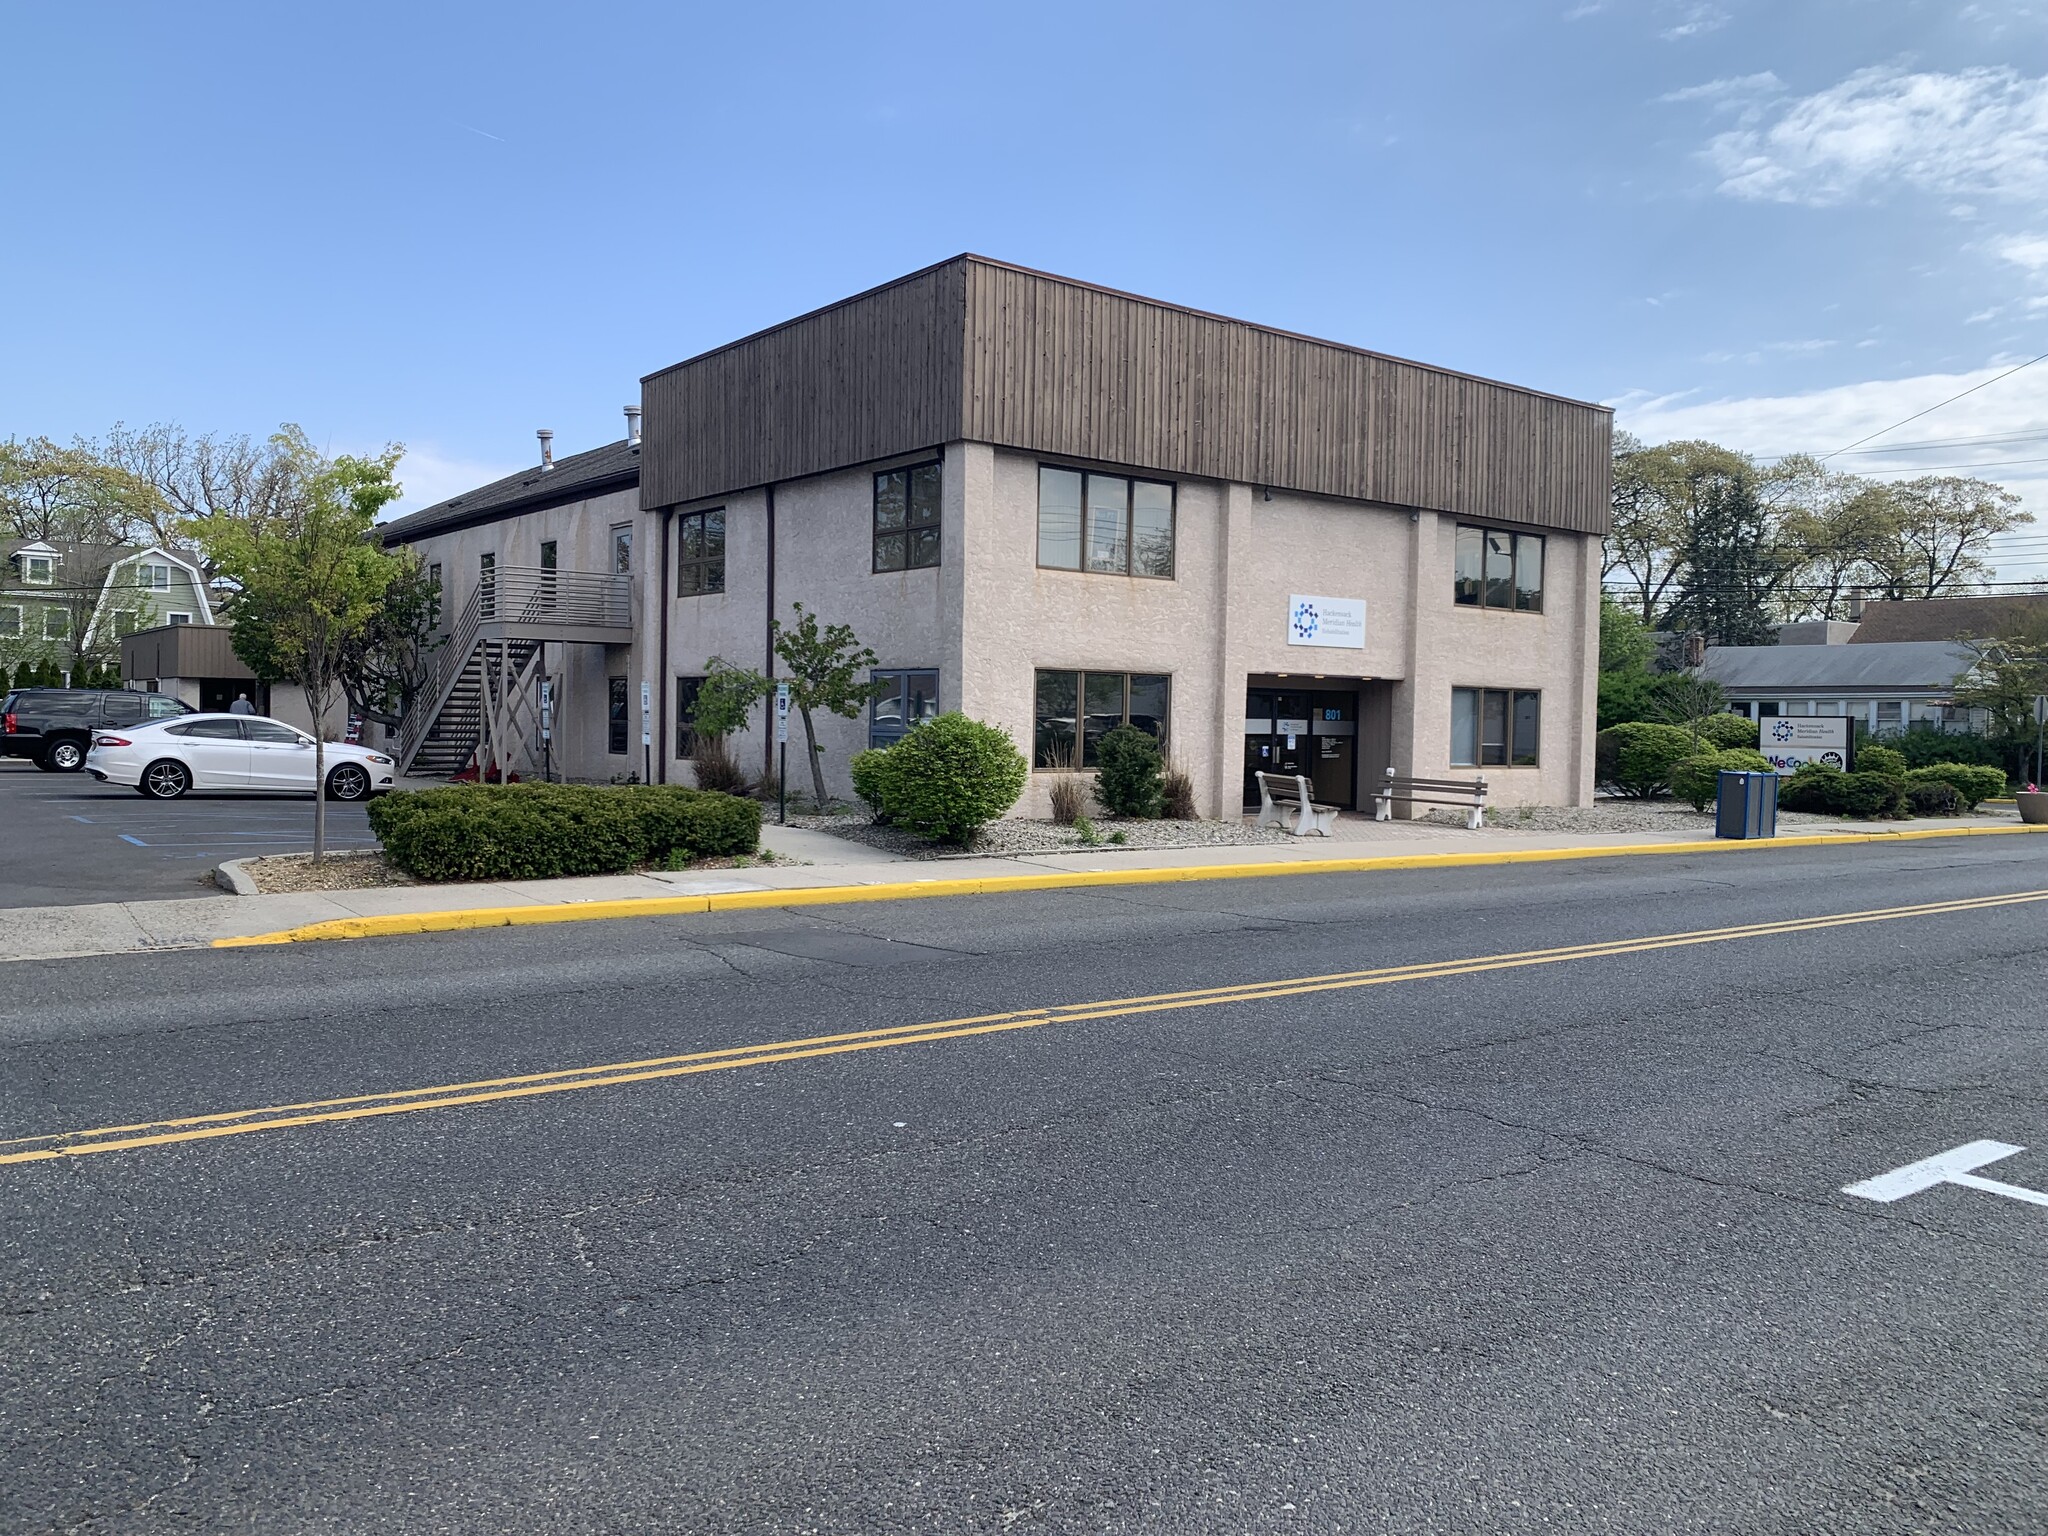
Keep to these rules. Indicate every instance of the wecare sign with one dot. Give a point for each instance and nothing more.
(1791, 740)
(1332, 621)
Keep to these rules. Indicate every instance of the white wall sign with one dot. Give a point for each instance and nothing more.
(781, 713)
(1790, 740)
(1328, 621)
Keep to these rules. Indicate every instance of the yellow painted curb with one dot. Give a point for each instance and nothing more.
(995, 885)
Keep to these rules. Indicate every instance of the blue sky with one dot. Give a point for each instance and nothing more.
(1780, 224)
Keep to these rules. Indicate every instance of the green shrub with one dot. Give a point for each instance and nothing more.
(1972, 782)
(1726, 732)
(1931, 797)
(1828, 791)
(544, 831)
(1924, 747)
(949, 776)
(871, 771)
(1805, 791)
(1128, 782)
(1635, 759)
(1177, 795)
(1878, 759)
(1698, 779)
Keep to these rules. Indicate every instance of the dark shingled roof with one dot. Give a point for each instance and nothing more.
(610, 468)
(1946, 618)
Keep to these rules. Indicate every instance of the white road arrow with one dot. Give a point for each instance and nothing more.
(1954, 1166)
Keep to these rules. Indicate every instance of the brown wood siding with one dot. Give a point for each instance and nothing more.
(976, 350)
(182, 650)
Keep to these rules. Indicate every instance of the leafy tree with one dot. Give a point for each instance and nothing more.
(68, 496)
(827, 672)
(310, 574)
(1940, 533)
(1661, 495)
(726, 698)
(1686, 700)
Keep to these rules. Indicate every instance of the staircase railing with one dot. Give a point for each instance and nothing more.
(535, 595)
(432, 697)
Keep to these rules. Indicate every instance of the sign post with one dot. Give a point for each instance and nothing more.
(782, 750)
(547, 732)
(646, 732)
(1792, 741)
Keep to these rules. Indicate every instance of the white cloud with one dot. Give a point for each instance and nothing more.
(1982, 132)
(2028, 251)
(1698, 21)
(429, 475)
(1729, 90)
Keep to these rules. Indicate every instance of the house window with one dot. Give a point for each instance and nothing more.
(153, 576)
(911, 699)
(124, 622)
(10, 621)
(686, 715)
(700, 553)
(622, 549)
(38, 570)
(56, 623)
(181, 618)
(617, 720)
(1095, 703)
(1104, 523)
(1498, 569)
(907, 518)
(1495, 727)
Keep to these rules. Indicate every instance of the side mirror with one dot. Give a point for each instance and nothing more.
(305, 741)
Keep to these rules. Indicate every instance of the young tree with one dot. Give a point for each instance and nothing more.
(827, 671)
(309, 574)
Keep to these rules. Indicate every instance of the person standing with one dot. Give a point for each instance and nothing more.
(241, 706)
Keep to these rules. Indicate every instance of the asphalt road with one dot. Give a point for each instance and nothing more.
(1518, 1245)
(66, 839)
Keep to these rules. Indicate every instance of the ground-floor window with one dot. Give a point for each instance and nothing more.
(1092, 704)
(911, 698)
(618, 718)
(686, 716)
(1495, 727)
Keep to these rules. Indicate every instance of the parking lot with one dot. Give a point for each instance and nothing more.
(65, 839)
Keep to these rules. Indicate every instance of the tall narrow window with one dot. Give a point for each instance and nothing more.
(686, 715)
(487, 585)
(1493, 568)
(547, 573)
(907, 518)
(622, 549)
(617, 719)
(700, 553)
(434, 581)
(1109, 524)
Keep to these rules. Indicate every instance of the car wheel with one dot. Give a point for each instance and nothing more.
(165, 780)
(64, 756)
(348, 782)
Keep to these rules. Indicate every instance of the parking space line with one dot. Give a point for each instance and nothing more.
(138, 842)
(86, 819)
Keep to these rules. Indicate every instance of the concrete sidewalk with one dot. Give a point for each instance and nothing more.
(838, 864)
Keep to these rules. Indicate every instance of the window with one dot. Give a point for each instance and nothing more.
(271, 731)
(162, 706)
(617, 720)
(180, 618)
(38, 570)
(434, 581)
(208, 730)
(56, 623)
(912, 699)
(1498, 569)
(124, 622)
(907, 518)
(1104, 523)
(487, 585)
(686, 715)
(1096, 702)
(700, 553)
(153, 576)
(1495, 727)
(10, 621)
(622, 549)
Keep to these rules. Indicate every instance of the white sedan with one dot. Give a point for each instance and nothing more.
(164, 758)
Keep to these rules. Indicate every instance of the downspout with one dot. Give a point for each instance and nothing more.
(768, 737)
(660, 668)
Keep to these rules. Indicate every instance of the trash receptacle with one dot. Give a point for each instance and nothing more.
(1746, 805)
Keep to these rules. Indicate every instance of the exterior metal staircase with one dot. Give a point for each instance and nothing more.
(480, 697)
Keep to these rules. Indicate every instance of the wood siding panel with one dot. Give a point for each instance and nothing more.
(977, 350)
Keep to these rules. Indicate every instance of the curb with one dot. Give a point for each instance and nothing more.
(233, 879)
(995, 885)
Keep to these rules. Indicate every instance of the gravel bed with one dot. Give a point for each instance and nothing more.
(1011, 836)
(352, 871)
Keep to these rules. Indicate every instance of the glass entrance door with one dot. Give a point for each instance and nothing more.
(1306, 731)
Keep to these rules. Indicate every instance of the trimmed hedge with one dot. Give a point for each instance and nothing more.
(1698, 779)
(1636, 759)
(1128, 781)
(945, 779)
(1931, 797)
(1728, 732)
(543, 831)
(1972, 783)
(1874, 758)
(1828, 791)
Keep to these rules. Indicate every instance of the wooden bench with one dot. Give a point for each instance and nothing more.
(1285, 797)
(1468, 793)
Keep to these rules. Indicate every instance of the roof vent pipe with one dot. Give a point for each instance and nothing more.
(632, 426)
(547, 449)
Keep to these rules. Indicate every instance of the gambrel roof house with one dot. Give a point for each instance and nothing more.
(44, 585)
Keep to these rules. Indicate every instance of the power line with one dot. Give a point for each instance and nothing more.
(1987, 439)
(1951, 400)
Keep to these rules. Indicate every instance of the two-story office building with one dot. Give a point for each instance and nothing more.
(1059, 508)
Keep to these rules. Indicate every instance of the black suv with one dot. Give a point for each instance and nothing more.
(54, 726)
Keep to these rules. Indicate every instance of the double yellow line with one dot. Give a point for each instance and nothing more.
(278, 1117)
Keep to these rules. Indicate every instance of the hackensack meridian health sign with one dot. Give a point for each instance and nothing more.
(1331, 621)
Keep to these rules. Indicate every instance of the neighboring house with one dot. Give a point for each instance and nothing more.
(71, 603)
(1891, 686)
(1951, 618)
(1057, 508)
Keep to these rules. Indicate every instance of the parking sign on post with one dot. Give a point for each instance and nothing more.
(646, 732)
(782, 750)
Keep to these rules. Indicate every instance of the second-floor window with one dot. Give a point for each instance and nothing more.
(1110, 524)
(37, 570)
(434, 581)
(700, 553)
(907, 518)
(153, 576)
(1499, 569)
(56, 623)
(10, 621)
(622, 550)
(124, 622)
